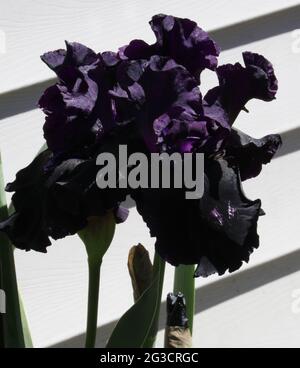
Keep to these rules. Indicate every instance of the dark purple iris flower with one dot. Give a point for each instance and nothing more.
(148, 97)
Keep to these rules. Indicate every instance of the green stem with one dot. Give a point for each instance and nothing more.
(12, 321)
(184, 282)
(158, 269)
(2, 335)
(93, 300)
(96, 236)
(13, 329)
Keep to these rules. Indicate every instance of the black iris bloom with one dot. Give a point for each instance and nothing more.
(148, 97)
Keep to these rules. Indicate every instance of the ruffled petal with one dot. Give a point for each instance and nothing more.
(249, 154)
(238, 85)
(180, 39)
(185, 42)
(164, 101)
(75, 55)
(57, 203)
(265, 86)
(26, 227)
(79, 109)
(217, 232)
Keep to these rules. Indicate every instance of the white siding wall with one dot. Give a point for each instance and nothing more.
(256, 307)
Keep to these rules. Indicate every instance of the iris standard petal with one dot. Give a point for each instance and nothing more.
(238, 85)
(180, 39)
(79, 109)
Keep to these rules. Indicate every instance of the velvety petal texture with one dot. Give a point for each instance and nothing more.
(180, 39)
(239, 84)
(162, 98)
(164, 92)
(250, 154)
(79, 110)
(56, 203)
(218, 232)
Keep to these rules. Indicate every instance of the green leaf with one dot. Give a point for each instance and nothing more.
(12, 320)
(14, 329)
(25, 325)
(137, 328)
(158, 266)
